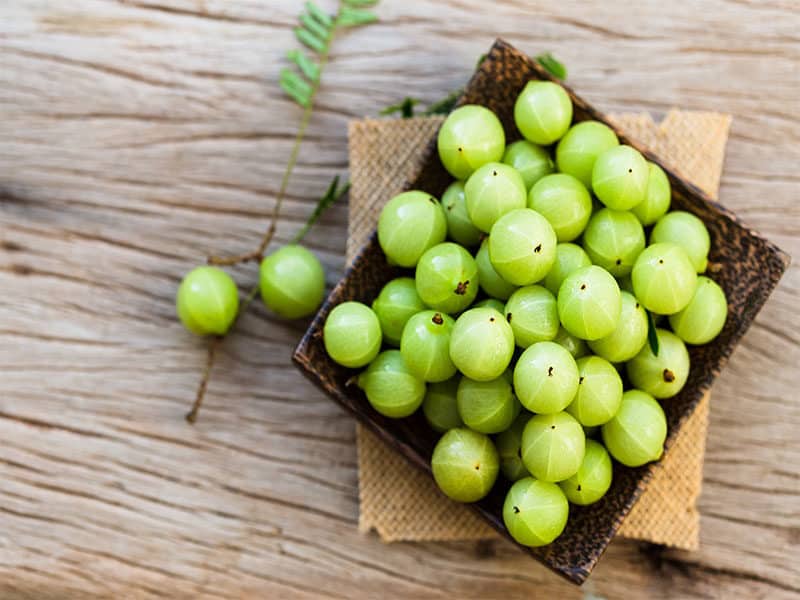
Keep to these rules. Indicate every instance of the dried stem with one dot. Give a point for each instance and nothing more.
(213, 344)
(258, 253)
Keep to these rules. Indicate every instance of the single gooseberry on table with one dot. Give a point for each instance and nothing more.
(292, 282)
(207, 301)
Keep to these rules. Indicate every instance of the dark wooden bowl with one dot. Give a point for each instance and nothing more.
(749, 267)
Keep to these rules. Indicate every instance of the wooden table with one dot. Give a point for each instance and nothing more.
(138, 136)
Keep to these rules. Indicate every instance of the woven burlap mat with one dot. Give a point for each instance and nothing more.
(402, 503)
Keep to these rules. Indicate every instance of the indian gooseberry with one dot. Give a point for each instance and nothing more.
(636, 434)
(207, 301)
(569, 258)
(614, 239)
(535, 512)
(578, 150)
(489, 280)
(656, 198)
(425, 346)
(459, 227)
(593, 478)
(522, 246)
(664, 278)
(487, 406)
(410, 224)
(629, 336)
(440, 405)
(619, 177)
(533, 162)
(687, 231)
(396, 303)
(292, 282)
(704, 317)
(564, 201)
(447, 278)
(465, 464)
(599, 392)
(391, 388)
(589, 303)
(352, 334)
(553, 446)
(543, 112)
(470, 136)
(509, 447)
(664, 375)
(492, 191)
(481, 344)
(531, 311)
(546, 378)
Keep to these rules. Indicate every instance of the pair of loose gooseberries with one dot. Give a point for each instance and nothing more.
(292, 284)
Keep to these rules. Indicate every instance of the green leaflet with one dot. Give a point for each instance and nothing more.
(295, 86)
(308, 67)
(315, 31)
(351, 17)
(552, 66)
(328, 199)
(652, 336)
(405, 107)
(445, 105)
(320, 15)
(315, 27)
(307, 38)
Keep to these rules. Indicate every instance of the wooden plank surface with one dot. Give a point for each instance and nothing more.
(138, 136)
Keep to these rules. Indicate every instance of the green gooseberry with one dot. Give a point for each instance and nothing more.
(465, 464)
(292, 282)
(390, 387)
(207, 301)
(352, 334)
(593, 478)
(396, 303)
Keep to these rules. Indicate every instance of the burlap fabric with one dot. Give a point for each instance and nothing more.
(402, 503)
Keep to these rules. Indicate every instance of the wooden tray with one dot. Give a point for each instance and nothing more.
(746, 266)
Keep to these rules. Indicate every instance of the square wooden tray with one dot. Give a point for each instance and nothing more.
(746, 266)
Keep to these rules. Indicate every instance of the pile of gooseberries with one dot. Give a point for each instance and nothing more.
(524, 333)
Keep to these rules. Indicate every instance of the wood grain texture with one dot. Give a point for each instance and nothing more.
(139, 136)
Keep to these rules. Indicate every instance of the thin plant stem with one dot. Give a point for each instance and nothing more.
(213, 346)
(258, 253)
